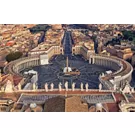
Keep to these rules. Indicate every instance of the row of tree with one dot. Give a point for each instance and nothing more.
(39, 28)
(129, 35)
(13, 56)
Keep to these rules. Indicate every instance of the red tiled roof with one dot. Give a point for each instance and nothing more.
(10, 43)
(14, 79)
(6, 78)
(65, 104)
(3, 63)
(113, 107)
(17, 79)
(119, 97)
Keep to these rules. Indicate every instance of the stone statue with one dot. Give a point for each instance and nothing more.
(100, 86)
(52, 86)
(19, 87)
(120, 89)
(66, 86)
(60, 86)
(46, 87)
(114, 87)
(2, 89)
(132, 90)
(102, 75)
(90, 60)
(86, 86)
(127, 83)
(34, 86)
(81, 86)
(9, 86)
(73, 86)
(127, 88)
(93, 60)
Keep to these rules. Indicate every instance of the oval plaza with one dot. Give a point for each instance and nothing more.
(65, 74)
(122, 70)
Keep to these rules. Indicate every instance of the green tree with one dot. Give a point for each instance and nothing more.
(13, 56)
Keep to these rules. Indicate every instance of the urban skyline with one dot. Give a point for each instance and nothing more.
(67, 67)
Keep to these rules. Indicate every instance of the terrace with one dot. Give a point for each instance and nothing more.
(99, 98)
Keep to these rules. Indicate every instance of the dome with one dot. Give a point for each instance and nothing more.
(67, 69)
(33, 105)
(38, 108)
(99, 106)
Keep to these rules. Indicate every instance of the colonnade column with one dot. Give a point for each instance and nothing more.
(93, 60)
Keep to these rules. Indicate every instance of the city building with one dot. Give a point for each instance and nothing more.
(122, 52)
(75, 78)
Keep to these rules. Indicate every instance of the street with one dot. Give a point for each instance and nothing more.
(67, 43)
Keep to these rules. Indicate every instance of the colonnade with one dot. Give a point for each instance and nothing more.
(123, 70)
(104, 61)
(21, 65)
(18, 65)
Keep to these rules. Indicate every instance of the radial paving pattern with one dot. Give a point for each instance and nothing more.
(88, 73)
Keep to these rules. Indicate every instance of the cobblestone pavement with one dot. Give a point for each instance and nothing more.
(49, 73)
